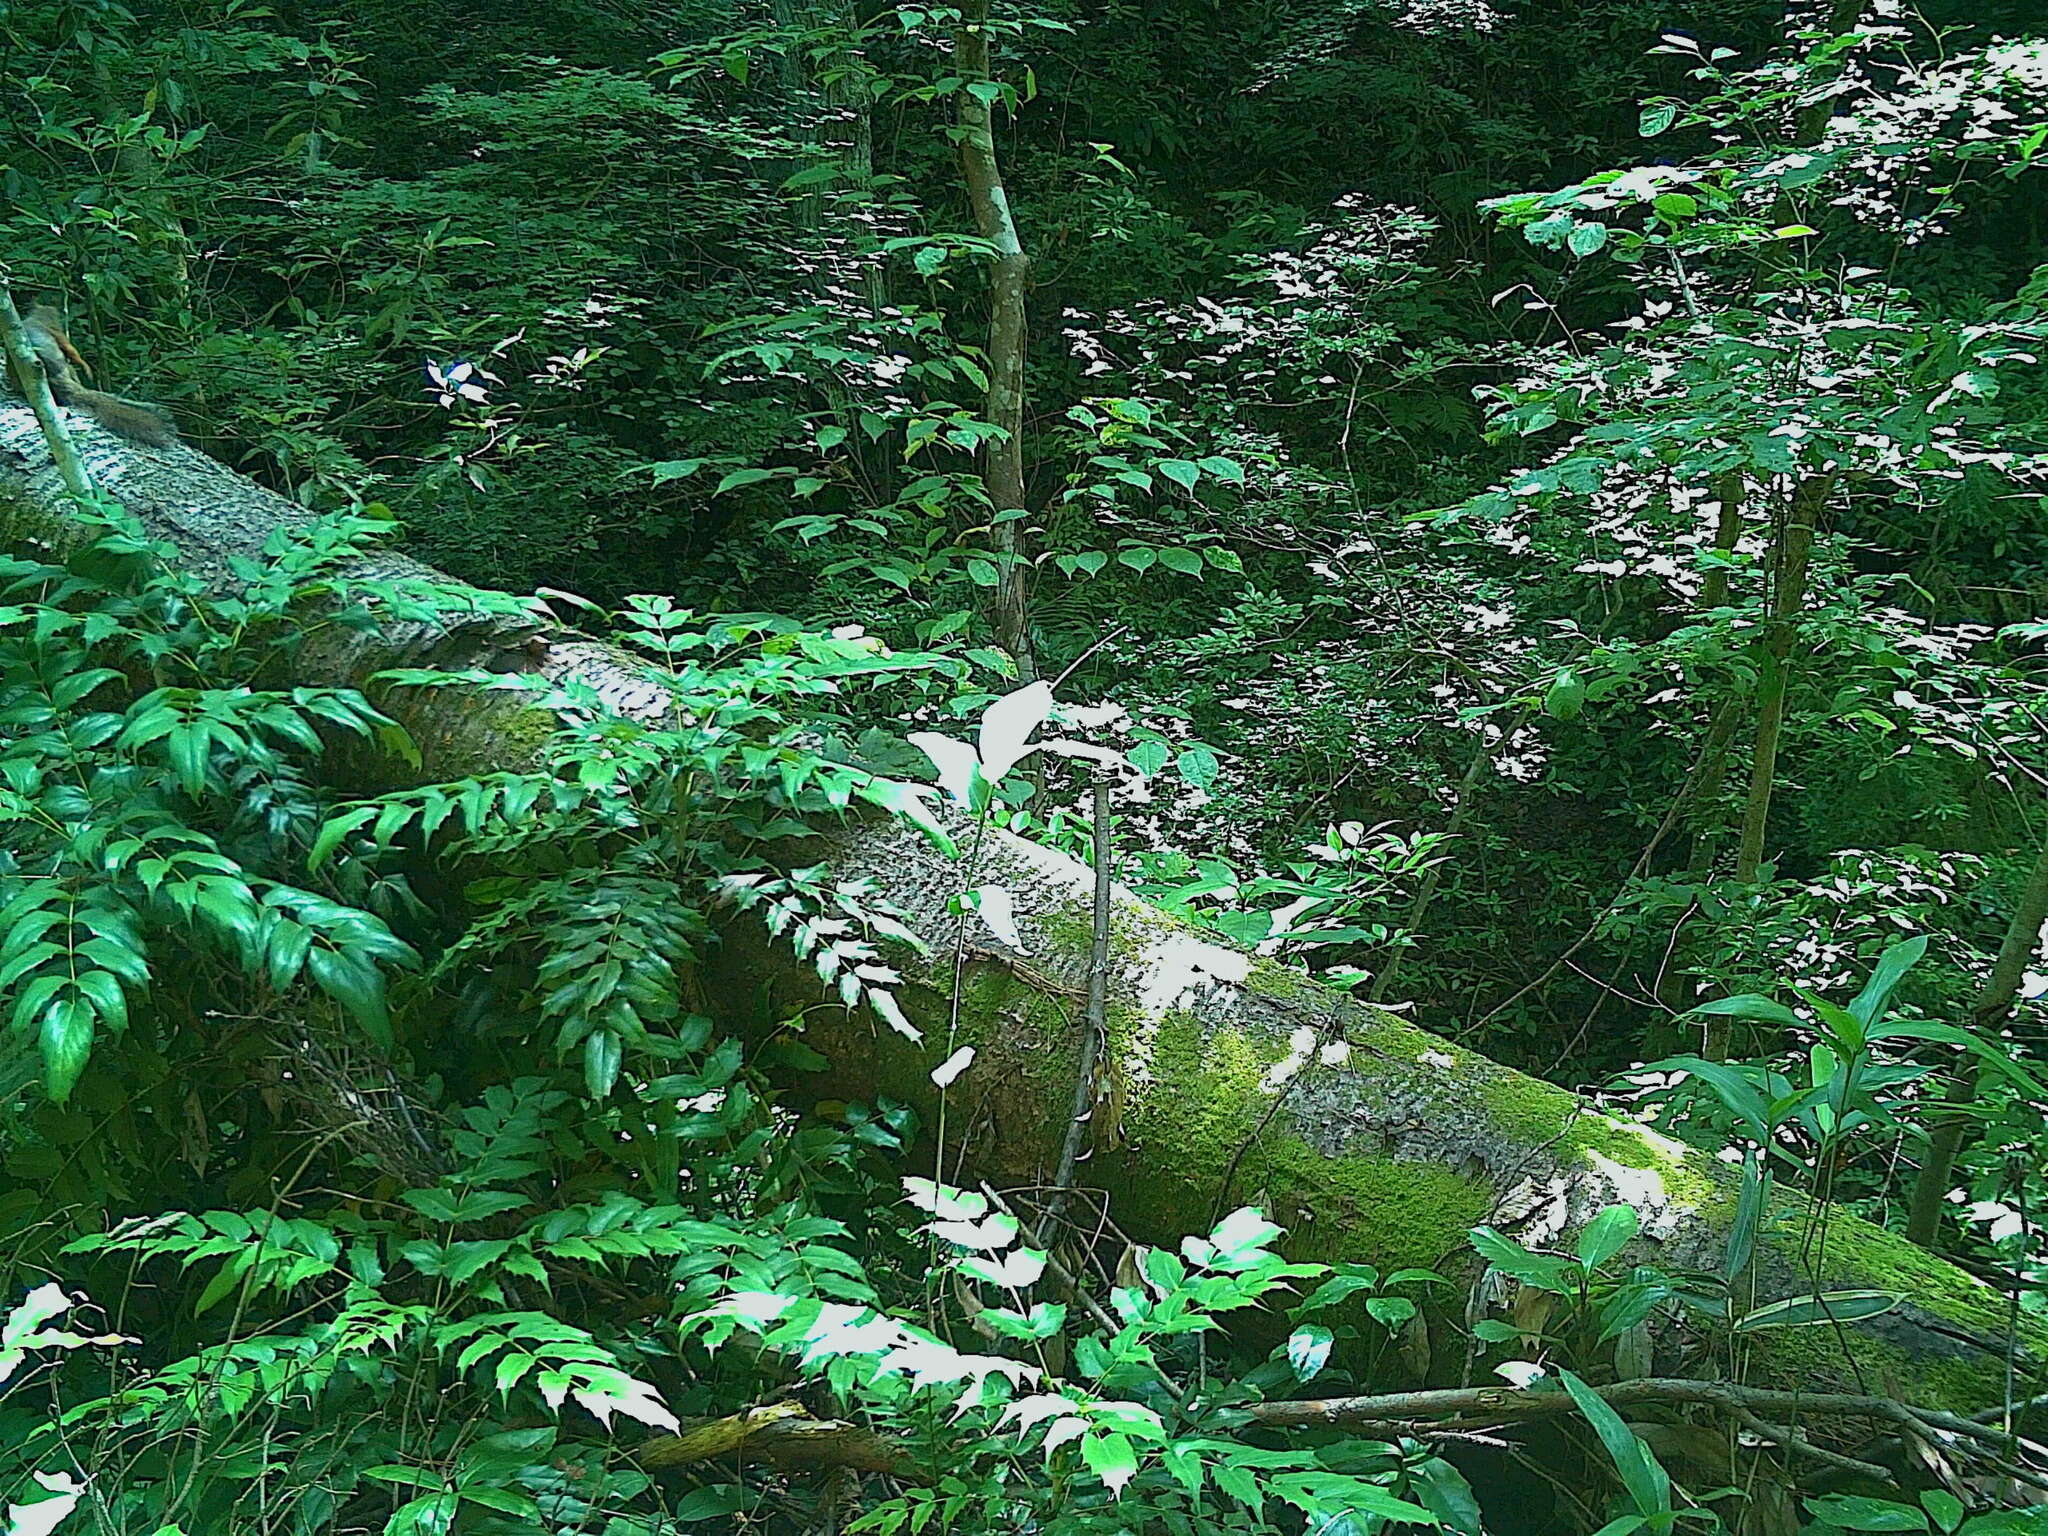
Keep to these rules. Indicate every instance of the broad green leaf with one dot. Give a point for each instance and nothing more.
(1734, 1090)
(603, 1054)
(1946, 1509)
(1199, 767)
(1443, 1490)
(431, 1515)
(1111, 1457)
(710, 1503)
(407, 1477)
(1245, 1230)
(1585, 239)
(334, 830)
(504, 1500)
(1762, 1010)
(1750, 1203)
(1566, 695)
(1308, 1351)
(1813, 1311)
(1007, 726)
(1607, 1234)
(1649, 1486)
(1891, 968)
(1390, 1311)
(1854, 1512)
(1544, 1271)
(66, 1038)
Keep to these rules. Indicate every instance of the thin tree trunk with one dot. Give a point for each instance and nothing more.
(1003, 460)
(1731, 490)
(26, 369)
(1993, 1003)
(1706, 828)
(1727, 535)
(1788, 596)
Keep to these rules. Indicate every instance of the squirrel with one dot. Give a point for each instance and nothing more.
(136, 420)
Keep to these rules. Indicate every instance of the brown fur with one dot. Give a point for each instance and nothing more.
(135, 420)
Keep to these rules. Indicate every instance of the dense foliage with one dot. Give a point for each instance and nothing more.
(1533, 513)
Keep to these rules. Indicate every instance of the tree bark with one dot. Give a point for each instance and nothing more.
(1368, 1138)
(1993, 1002)
(994, 221)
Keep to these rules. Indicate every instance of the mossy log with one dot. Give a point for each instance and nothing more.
(1236, 1081)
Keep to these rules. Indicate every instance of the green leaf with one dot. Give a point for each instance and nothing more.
(66, 1038)
(356, 984)
(743, 477)
(334, 830)
(603, 1054)
(1649, 1486)
(1853, 1512)
(221, 1286)
(1750, 1202)
(1390, 1312)
(908, 801)
(1442, 1489)
(1544, 1271)
(1199, 767)
(1814, 1311)
(1566, 695)
(1656, 117)
(1891, 968)
(1607, 1234)
(503, 1500)
(1180, 471)
(1148, 757)
(189, 747)
(1585, 239)
(1748, 1006)
(1111, 1457)
(1993, 1058)
(1734, 1090)
(1944, 1506)
(432, 1515)
(103, 991)
(1245, 1230)
(1223, 559)
(407, 1477)
(1308, 1350)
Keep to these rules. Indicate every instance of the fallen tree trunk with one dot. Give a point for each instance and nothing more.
(1239, 1082)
